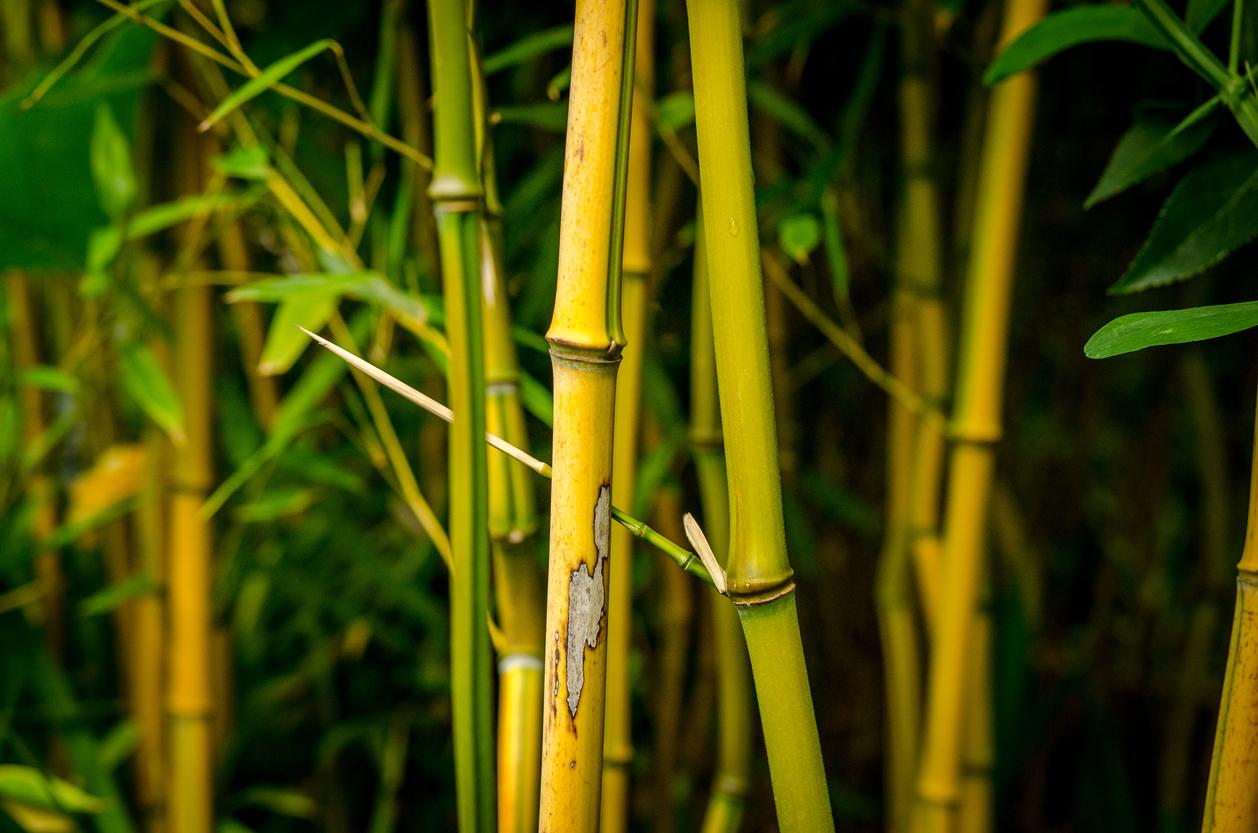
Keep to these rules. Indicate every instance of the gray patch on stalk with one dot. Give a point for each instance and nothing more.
(586, 598)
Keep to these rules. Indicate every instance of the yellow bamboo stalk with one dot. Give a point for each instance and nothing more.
(586, 339)
(976, 428)
(263, 392)
(189, 661)
(1231, 797)
(618, 740)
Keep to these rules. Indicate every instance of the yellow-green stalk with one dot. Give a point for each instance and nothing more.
(1231, 797)
(519, 580)
(733, 676)
(618, 740)
(585, 338)
(456, 196)
(976, 427)
(760, 580)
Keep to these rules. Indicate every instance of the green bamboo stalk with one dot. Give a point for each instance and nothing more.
(733, 681)
(456, 195)
(760, 578)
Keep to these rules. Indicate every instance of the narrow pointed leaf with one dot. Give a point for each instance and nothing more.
(112, 169)
(1153, 144)
(1180, 326)
(29, 786)
(264, 81)
(1209, 214)
(144, 380)
(528, 47)
(284, 341)
(1072, 27)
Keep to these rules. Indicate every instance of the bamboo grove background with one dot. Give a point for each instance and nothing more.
(244, 588)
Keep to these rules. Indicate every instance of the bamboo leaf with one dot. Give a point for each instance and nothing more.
(1152, 329)
(144, 380)
(1073, 27)
(117, 594)
(249, 163)
(1152, 145)
(799, 235)
(787, 113)
(552, 116)
(284, 341)
(1208, 215)
(675, 111)
(302, 284)
(50, 379)
(110, 158)
(528, 47)
(1201, 12)
(33, 788)
(264, 81)
(836, 250)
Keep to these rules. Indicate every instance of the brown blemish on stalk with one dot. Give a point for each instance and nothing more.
(586, 602)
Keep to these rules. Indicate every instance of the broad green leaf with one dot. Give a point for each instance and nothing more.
(1139, 330)
(1153, 144)
(112, 169)
(1209, 214)
(50, 378)
(284, 341)
(29, 786)
(265, 80)
(675, 111)
(799, 235)
(1072, 27)
(144, 380)
(109, 599)
(528, 47)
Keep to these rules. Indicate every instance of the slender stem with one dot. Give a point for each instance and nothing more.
(618, 740)
(976, 428)
(456, 195)
(586, 340)
(759, 572)
(733, 683)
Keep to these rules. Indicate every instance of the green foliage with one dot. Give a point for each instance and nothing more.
(145, 381)
(265, 80)
(1153, 144)
(799, 235)
(33, 788)
(1208, 215)
(1073, 27)
(1150, 329)
(111, 165)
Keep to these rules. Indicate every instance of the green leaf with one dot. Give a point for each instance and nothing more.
(799, 235)
(265, 80)
(31, 787)
(1153, 144)
(284, 341)
(109, 599)
(1209, 214)
(1201, 12)
(118, 744)
(528, 47)
(50, 379)
(249, 163)
(301, 284)
(675, 111)
(1179, 326)
(143, 379)
(112, 169)
(836, 250)
(552, 116)
(1072, 27)
(787, 113)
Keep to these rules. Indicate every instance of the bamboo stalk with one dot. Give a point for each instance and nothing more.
(1231, 800)
(976, 428)
(618, 739)
(586, 339)
(263, 392)
(760, 578)
(519, 581)
(733, 684)
(457, 194)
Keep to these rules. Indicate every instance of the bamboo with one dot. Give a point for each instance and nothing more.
(733, 685)
(976, 428)
(585, 339)
(263, 391)
(1231, 800)
(760, 579)
(618, 739)
(519, 581)
(457, 194)
(190, 687)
